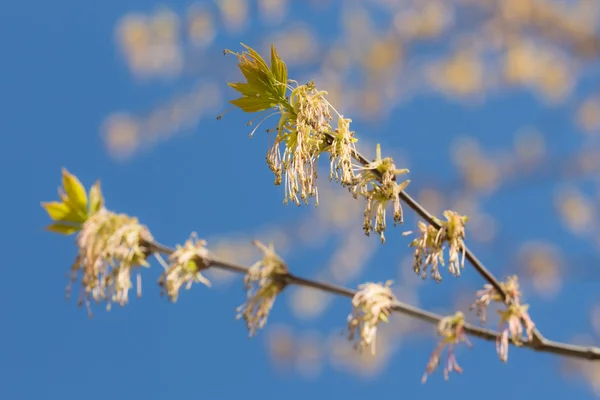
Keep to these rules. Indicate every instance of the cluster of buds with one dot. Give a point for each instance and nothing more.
(184, 267)
(452, 331)
(514, 320)
(370, 305)
(430, 245)
(263, 282)
(377, 183)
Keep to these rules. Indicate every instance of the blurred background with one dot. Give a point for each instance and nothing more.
(493, 105)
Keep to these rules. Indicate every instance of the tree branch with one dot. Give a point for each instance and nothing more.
(538, 338)
(547, 346)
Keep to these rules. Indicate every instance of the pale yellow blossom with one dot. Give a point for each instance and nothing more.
(371, 304)
(185, 266)
(110, 247)
(263, 281)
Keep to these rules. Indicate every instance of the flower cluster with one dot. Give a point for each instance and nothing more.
(185, 266)
(371, 304)
(430, 245)
(305, 131)
(514, 320)
(451, 329)
(110, 247)
(304, 120)
(302, 128)
(263, 282)
(341, 150)
(377, 183)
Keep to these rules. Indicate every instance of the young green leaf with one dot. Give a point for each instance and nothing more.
(259, 60)
(252, 104)
(96, 198)
(58, 211)
(279, 71)
(246, 89)
(76, 196)
(63, 228)
(264, 87)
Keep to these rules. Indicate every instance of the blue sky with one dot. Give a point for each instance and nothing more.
(62, 74)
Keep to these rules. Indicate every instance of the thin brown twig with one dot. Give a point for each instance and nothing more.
(538, 339)
(548, 346)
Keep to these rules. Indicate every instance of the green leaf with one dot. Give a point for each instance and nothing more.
(75, 192)
(259, 79)
(63, 228)
(251, 105)
(256, 70)
(96, 198)
(262, 64)
(245, 89)
(279, 71)
(265, 86)
(58, 211)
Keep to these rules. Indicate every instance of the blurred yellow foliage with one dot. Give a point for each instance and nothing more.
(201, 28)
(428, 20)
(461, 74)
(273, 11)
(542, 263)
(151, 44)
(588, 115)
(576, 210)
(124, 134)
(234, 14)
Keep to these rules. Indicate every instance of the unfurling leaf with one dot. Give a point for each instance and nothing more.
(279, 70)
(58, 211)
(96, 198)
(76, 196)
(72, 212)
(252, 104)
(264, 87)
(63, 228)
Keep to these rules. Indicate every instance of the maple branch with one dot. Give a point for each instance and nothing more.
(538, 340)
(546, 346)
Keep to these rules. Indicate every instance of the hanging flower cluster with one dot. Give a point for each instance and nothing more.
(263, 282)
(429, 246)
(514, 320)
(110, 247)
(184, 267)
(302, 129)
(377, 183)
(370, 305)
(341, 150)
(451, 329)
